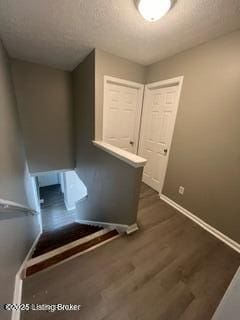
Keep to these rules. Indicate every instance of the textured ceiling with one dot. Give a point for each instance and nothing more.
(60, 33)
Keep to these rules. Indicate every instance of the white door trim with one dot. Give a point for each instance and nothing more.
(123, 82)
(178, 81)
(129, 84)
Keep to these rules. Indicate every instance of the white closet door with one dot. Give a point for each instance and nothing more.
(159, 113)
(121, 113)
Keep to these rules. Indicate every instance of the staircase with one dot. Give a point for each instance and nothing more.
(64, 243)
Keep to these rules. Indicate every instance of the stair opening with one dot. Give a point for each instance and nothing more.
(59, 245)
(58, 193)
(63, 236)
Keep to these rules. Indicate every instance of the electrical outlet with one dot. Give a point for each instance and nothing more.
(181, 190)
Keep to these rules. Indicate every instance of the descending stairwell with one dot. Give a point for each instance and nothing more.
(61, 244)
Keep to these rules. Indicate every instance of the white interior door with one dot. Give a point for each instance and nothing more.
(121, 113)
(159, 114)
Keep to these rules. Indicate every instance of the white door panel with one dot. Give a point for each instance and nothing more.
(121, 113)
(159, 113)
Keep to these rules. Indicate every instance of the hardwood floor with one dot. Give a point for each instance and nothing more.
(170, 269)
(53, 210)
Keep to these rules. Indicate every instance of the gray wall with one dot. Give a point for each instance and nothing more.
(113, 186)
(205, 153)
(12, 157)
(110, 65)
(17, 232)
(44, 99)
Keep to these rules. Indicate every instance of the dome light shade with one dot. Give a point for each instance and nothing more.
(153, 10)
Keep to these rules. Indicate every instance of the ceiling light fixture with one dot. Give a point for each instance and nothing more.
(153, 10)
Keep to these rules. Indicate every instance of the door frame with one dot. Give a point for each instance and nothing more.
(129, 84)
(177, 81)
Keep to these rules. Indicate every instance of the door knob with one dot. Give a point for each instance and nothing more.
(132, 143)
(165, 151)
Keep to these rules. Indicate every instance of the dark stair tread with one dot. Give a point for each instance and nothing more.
(70, 252)
(54, 239)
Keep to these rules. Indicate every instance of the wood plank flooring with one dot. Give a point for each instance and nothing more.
(170, 269)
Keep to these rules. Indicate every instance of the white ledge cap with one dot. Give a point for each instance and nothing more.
(121, 154)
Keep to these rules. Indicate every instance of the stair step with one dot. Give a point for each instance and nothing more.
(53, 239)
(69, 251)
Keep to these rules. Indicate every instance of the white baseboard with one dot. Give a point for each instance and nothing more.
(119, 227)
(17, 295)
(230, 242)
(132, 228)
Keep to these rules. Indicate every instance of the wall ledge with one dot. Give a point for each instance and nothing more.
(128, 157)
